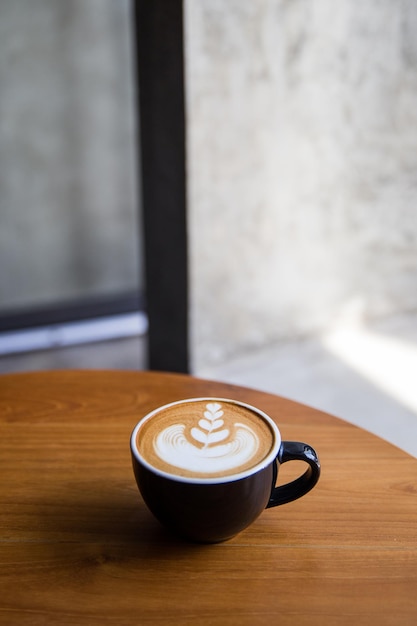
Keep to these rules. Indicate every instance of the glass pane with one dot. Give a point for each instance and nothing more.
(68, 177)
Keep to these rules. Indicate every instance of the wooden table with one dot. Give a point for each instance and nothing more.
(79, 547)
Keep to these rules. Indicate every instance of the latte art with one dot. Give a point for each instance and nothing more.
(209, 447)
(205, 438)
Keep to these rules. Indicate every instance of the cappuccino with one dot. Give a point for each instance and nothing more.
(205, 438)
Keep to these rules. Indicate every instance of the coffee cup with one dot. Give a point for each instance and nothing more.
(207, 467)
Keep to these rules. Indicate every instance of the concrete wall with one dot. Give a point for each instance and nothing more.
(68, 196)
(302, 154)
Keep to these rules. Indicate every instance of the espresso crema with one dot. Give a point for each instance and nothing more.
(205, 438)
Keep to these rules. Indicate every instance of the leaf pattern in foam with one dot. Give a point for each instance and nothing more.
(206, 425)
(212, 423)
(199, 436)
(213, 411)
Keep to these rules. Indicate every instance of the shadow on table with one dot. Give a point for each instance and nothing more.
(116, 519)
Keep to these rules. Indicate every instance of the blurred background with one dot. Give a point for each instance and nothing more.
(70, 232)
(301, 122)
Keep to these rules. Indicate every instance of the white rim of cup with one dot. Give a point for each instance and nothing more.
(271, 456)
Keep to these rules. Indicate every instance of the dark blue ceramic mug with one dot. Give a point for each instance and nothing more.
(207, 467)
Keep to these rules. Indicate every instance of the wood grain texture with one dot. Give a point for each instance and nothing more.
(78, 546)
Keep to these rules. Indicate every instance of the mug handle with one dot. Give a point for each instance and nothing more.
(294, 451)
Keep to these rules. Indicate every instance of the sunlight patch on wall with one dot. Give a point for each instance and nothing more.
(390, 364)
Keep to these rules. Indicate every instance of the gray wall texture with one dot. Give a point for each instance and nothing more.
(302, 160)
(302, 154)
